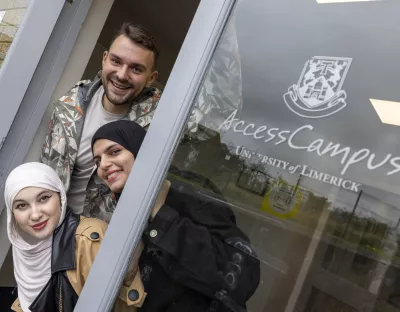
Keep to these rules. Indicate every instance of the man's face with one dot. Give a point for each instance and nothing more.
(127, 69)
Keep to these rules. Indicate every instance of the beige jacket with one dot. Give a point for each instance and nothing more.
(85, 253)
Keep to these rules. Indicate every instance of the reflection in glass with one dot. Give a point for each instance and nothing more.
(12, 13)
(327, 238)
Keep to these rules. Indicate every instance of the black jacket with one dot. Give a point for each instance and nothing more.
(58, 289)
(195, 257)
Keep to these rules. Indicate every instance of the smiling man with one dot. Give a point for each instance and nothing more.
(124, 91)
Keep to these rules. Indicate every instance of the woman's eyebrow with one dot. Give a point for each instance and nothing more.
(42, 192)
(38, 195)
(95, 157)
(110, 147)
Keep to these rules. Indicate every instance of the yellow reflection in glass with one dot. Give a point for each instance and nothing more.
(283, 200)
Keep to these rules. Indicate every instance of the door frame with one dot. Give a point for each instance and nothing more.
(19, 65)
(133, 209)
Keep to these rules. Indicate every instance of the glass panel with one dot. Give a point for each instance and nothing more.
(321, 302)
(294, 131)
(12, 13)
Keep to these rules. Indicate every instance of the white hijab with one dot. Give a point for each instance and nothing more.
(32, 263)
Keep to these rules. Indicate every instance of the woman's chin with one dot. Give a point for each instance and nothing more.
(117, 187)
(34, 237)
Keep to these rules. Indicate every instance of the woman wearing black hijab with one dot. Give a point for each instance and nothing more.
(120, 142)
(199, 260)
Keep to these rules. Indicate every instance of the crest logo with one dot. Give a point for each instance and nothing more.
(319, 90)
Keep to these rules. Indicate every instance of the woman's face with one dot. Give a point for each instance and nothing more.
(37, 211)
(114, 163)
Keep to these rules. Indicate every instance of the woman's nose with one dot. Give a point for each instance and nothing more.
(36, 213)
(105, 163)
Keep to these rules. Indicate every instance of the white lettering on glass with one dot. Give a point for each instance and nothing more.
(297, 139)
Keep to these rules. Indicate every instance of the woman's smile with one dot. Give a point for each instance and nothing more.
(40, 226)
(113, 175)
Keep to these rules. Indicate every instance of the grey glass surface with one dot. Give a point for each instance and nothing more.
(285, 127)
(284, 36)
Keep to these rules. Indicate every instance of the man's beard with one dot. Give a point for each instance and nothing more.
(118, 99)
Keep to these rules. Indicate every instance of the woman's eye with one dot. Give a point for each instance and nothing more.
(20, 206)
(116, 62)
(115, 152)
(44, 198)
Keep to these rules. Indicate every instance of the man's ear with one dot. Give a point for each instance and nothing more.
(105, 54)
(152, 78)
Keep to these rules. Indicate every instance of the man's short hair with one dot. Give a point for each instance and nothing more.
(140, 36)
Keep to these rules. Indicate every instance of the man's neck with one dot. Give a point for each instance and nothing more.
(115, 109)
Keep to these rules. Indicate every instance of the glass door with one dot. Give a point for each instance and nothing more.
(293, 127)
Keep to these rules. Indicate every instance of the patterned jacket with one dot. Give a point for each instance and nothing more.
(64, 135)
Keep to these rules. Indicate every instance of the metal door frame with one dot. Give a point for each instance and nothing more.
(23, 56)
(129, 218)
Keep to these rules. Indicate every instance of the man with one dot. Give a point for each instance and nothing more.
(123, 91)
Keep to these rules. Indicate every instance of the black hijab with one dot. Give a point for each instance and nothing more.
(124, 132)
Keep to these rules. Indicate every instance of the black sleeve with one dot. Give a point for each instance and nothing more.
(204, 250)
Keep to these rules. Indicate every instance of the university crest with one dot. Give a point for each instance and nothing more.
(319, 90)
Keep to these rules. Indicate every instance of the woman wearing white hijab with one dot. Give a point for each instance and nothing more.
(53, 248)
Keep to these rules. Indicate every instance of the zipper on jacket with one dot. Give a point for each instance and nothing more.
(61, 300)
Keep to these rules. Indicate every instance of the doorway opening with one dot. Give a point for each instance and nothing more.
(167, 21)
